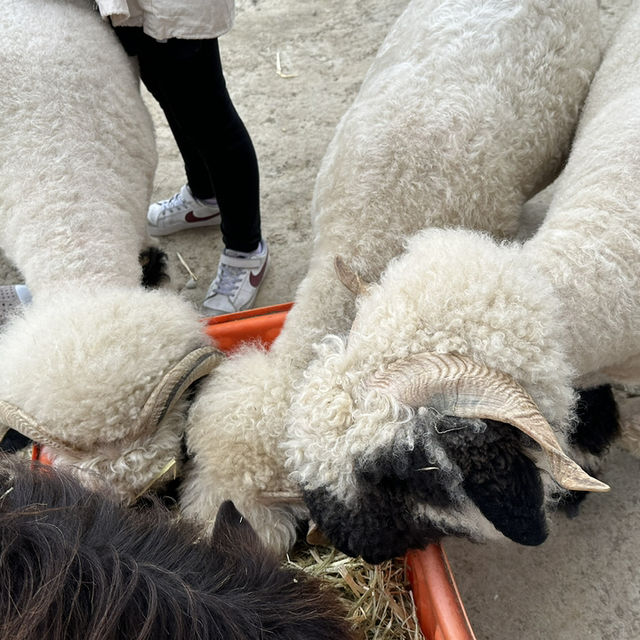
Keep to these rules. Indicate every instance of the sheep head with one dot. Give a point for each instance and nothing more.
(445, 410)
(472, 441)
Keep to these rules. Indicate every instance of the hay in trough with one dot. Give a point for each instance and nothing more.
(378, 596)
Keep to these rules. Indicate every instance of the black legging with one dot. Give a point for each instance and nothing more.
(185, 77)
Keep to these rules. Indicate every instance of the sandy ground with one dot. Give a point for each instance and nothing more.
(582, 583)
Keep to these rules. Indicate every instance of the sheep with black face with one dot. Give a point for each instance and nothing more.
(467, 110)
(449, 407)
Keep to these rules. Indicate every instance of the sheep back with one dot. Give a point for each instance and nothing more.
(589, 243)
(72, 124)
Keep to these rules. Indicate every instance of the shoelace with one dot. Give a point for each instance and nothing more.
(228, 280)
(175, 203)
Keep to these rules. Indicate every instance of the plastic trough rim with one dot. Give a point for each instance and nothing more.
(439, 608)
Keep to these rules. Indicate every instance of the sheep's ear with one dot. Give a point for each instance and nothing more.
(349, 278)
(232, 530)
(504, 483)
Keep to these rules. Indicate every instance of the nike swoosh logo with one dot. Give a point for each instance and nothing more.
(256, 278)
(191, 218)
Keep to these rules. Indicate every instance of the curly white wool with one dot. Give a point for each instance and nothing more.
(77, 163)
(467, 110)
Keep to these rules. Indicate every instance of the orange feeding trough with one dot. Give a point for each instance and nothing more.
(262, 324)
(439, 608)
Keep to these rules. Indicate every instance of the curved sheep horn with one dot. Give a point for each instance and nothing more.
(177, 380)
(349, 277)
(457, 386)
(194, 365)
(12, 417)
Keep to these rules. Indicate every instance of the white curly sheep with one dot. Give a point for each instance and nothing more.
(404, 431)
(79, 367)
(467, 110)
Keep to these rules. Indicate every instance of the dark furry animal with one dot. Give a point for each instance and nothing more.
(74, 565)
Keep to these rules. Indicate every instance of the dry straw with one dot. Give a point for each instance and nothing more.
(378, 596)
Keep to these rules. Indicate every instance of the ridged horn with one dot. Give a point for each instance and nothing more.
(12, 417)
(457, 386)
(177, 380)
(349, 278)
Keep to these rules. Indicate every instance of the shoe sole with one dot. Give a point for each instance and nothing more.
(10, 301)
(157, 232)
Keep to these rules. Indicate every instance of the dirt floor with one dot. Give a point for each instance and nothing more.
(583, 582)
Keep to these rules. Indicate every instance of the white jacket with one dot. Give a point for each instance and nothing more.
(163, 19)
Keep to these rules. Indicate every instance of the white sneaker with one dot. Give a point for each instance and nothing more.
(182, 211)
(12, 296)
(237, 282)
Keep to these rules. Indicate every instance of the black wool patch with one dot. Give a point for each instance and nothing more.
(597, 420)
(381, 526)
(597, 426)
(154, 267)
(384, 521)
(14, 441)
(500, 478)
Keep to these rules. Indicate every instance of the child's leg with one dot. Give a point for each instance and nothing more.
(186, 78)
(137, 43)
